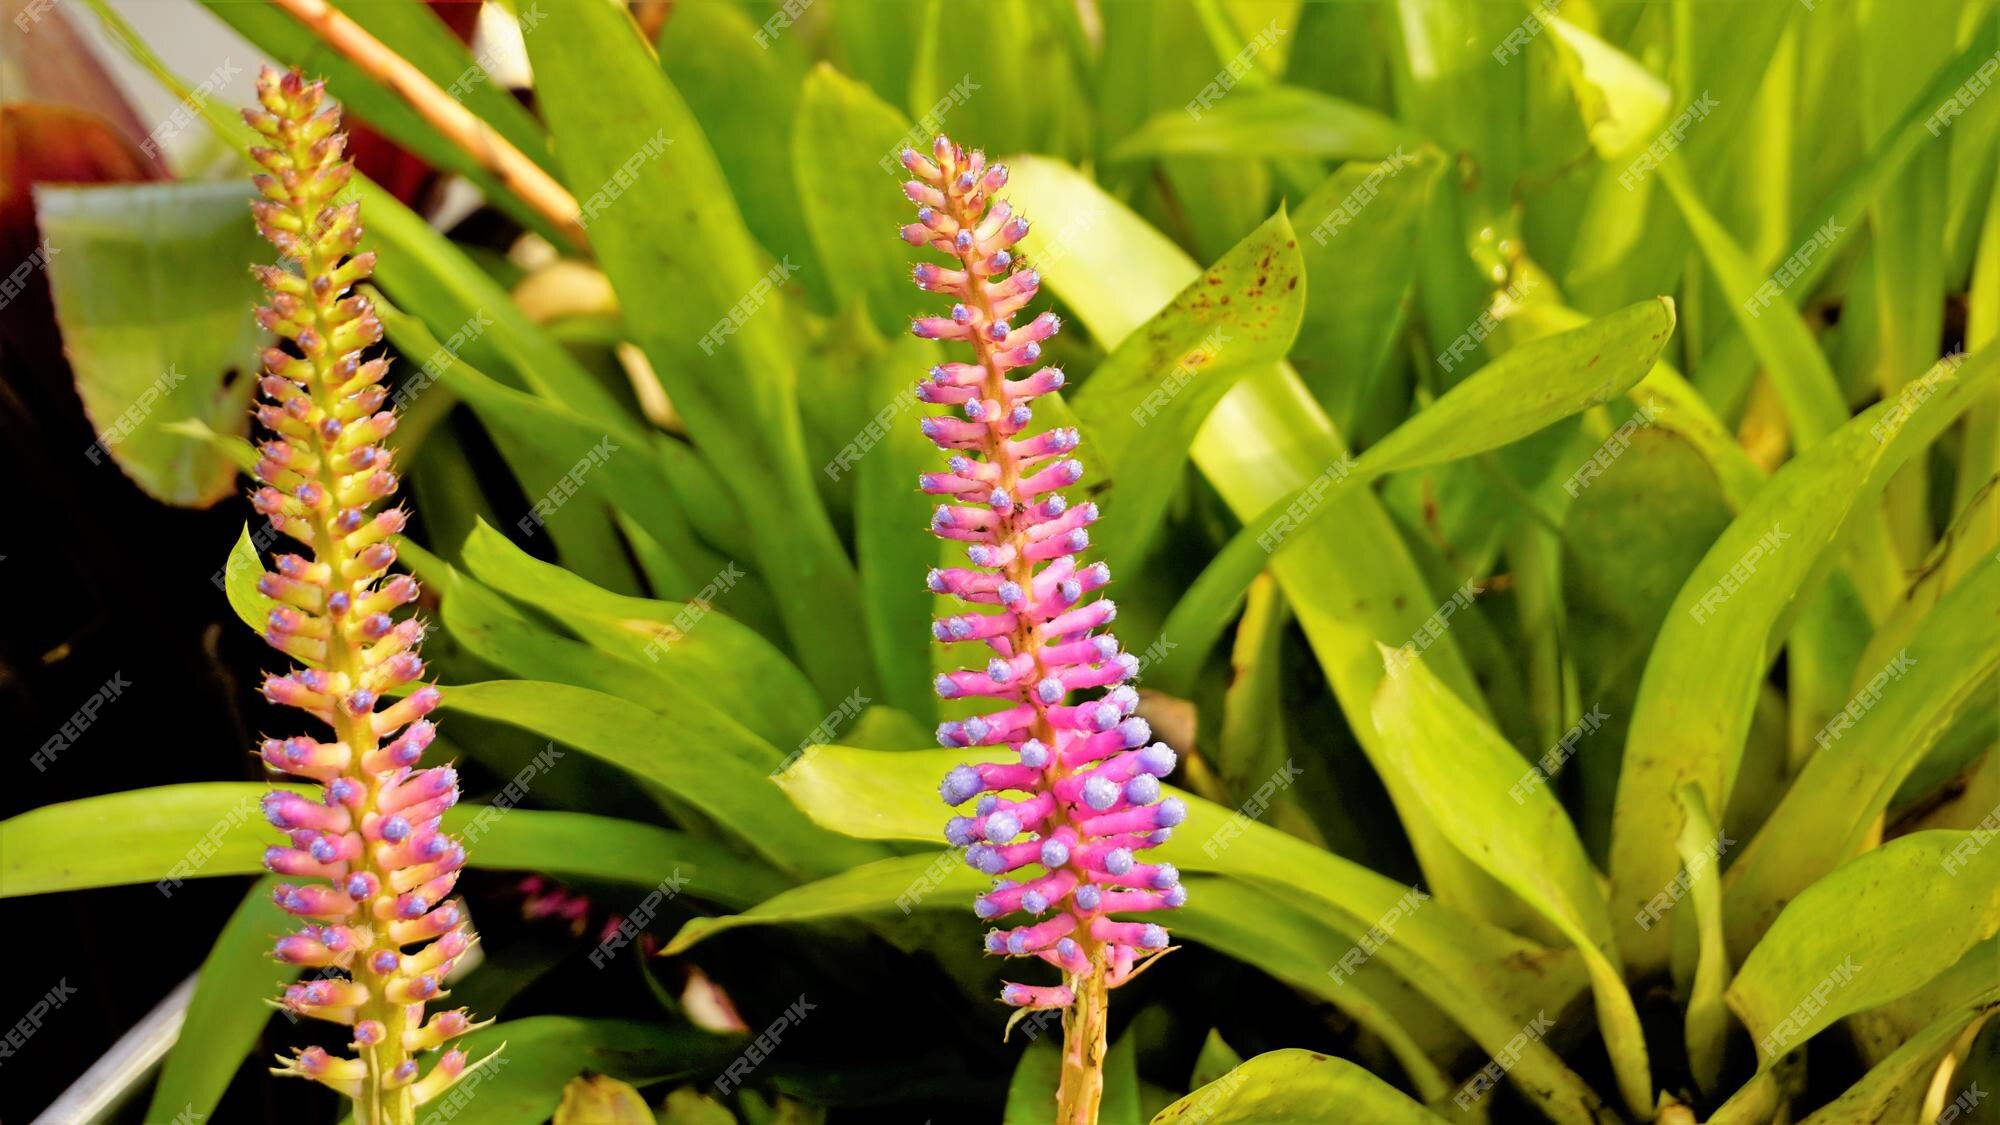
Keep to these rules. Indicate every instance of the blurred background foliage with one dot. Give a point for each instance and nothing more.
(1629, 363)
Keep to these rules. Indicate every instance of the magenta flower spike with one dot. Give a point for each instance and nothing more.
(1061, 825)
(376, 870)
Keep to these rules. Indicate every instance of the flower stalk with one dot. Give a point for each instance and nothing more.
(382, 932)
(1084, 783)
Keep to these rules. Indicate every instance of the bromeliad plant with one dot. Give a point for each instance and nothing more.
(383, 932)
(1090, 784)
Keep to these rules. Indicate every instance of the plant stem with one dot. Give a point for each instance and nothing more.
(1085, 1032)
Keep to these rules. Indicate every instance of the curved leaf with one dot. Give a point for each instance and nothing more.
(1294, 1087)
(1271, 121)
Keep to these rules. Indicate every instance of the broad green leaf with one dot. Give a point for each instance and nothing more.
(151, 291)
(1031, 1095)
(1798, 369)
(904, 883)
(1494, 808)
(173, 833)
(1623, 104)
(1358, 232)
(889, 795)
(705, 759)
(1120, 1104)
(524, 1084)
(1217, 1058)
(745, 93)
(1725, 375)
(1295, 1087)
(1142, 406)
(707, 306)
(1700, 686)
(1563, 374)
(845, 146)
(892, 543)
(1273, 121)
(1897, 711)
(1879, 926)
(227, 1012)
(1908, 1070)
(702, 658)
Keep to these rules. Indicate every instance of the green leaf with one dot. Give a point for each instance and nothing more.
(154, 302)
(240, 575)
(892, 541)
(1031, 1096)
(539, 1055)
(208, 829)
(702, 660)
(1622, 103)
(1908, 1070)
(1295, 1087)
(844, 145)
(1492, 806)
(1359, 237)
(890, 795)
(1142, 406)
(1568, 373)
(905, 883)
(1273, 121)
(1700, 686)
(227, 1013)
(1879, 926)
(706, 305)
(1896, 713)
(716, 766)
(1706, 1026)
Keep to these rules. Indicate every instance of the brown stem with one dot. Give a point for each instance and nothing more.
(459, 125)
